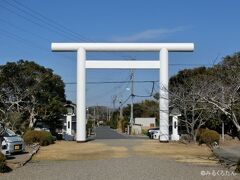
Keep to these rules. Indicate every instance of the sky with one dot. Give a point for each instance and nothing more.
(28, 27)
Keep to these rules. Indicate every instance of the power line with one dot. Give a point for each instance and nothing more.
(29, 20)
(52, 25)
(21, 39)
(52, 21)
(45, 23)
(115, 82)
(27, 42)
(116, 89)
(122, 103)
(121, 82)
(41, 23)
(151, 94)
(173, 64)
(22, 29)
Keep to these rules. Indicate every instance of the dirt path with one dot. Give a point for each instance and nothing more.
(107, 149)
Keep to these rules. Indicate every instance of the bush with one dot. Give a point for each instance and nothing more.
(113, 124)
(89, 124)
(44, 138)
(3, 167)
(144, 131)
(2, 163)
(185, 138)
(199, 133)
(208, 137)
(124, 125)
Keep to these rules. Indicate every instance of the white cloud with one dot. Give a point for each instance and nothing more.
(147, 35)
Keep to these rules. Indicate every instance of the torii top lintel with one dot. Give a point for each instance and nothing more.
(123, 46)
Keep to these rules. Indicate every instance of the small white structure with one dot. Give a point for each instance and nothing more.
(69, 125)
(162, 48)
(175, 113)
(146, 122)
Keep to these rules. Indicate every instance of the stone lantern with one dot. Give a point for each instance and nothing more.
(175, 113)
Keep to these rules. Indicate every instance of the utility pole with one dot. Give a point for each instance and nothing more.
(223, 130)
(114, 99)
(109, 114)
(121, 110)
(132, 96)
(94, 116)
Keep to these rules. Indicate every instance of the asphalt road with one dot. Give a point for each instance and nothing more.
(229, 155)
(104, 132)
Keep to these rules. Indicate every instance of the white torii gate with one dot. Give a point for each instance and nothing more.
(82, 64)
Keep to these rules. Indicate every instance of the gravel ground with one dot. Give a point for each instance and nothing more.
(139, 168)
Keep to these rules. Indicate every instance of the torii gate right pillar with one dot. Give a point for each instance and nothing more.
(163, 97)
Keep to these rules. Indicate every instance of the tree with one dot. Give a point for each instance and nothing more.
(2, 131)
(224, 90)
(208, 95)
(186, 91)
(146, 108)
(30, 92)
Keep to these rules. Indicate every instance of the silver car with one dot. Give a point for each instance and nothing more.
(12, 143)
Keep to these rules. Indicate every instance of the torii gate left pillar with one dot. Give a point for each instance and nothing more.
(82, 64)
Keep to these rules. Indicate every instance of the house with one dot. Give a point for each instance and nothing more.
(146, 123)
(143, 124)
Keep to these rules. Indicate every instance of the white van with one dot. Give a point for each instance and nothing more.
(12, 143)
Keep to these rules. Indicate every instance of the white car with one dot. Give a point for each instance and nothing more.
(156, 134)
(151, 131)
(12, 143)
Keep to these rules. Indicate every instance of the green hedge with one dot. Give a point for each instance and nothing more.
(44, 138)
(200, 131)
(208, 137)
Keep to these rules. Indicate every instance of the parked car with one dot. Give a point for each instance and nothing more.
(42, 129)
(156, 134)
(151, 131)
(12, 143)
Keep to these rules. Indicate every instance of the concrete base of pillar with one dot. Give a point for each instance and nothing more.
(81, 141)
(175, 137)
